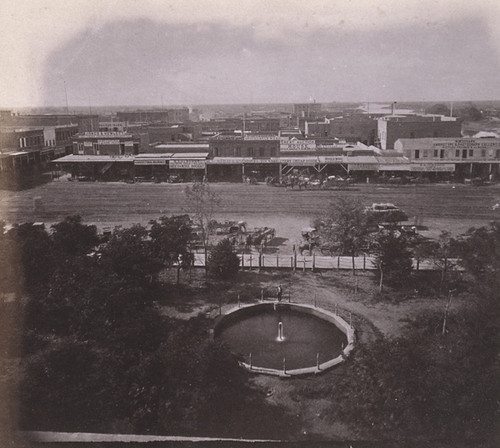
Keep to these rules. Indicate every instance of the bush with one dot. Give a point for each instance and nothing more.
(223, 263)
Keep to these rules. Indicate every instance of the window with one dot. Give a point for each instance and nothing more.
(436, 153)
(471, 153)
(457, 153)
(498, 154)
(417, 153)
(464, 153)
(483, 153)
(95, 148)
(441, 154)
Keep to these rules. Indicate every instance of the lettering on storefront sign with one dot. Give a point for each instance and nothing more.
(363, 167)
(104, 134)
(298, 162)
(187, 164)
(467, 143)
(229, 160)
(150, 162)
(433, 167)
(108, 142)
(298, 145)
(395, 167)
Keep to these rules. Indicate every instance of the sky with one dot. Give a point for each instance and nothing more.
(161, 52)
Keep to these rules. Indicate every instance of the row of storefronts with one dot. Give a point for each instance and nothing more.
(197, 166)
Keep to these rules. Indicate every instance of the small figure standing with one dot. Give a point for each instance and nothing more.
(280, 293)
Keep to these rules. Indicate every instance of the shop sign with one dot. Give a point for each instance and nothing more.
(331, 159)
(433, 167)
(229, 160)
(150, 162)
(362, 167)
(395, 167)
(467, 143)
(295, 145)
(299, 162)
(108, 142)
(187, 164)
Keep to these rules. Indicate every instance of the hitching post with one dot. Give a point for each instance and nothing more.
(317, 360)
(277, 261)
(304, 268)
(338, 262)
(284, 365)
(251, 361)
(314, 262)
(251, 261)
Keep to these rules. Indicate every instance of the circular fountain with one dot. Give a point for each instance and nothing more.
(285, 339)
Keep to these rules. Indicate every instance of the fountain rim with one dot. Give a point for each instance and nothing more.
(321, 313)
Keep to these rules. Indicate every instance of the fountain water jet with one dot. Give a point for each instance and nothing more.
(280, 332)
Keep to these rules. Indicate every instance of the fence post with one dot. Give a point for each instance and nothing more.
(291, 262)
(284, 366)
(243, 261)
(294, 261)
(277, 261)
(317, 361)
(251, 261)
(364, 262)
(314, 262)
(261, 294)
(260, 261)
(338, 262)
(304, 267)
(251, 365)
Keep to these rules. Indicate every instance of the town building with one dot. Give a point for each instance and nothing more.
(352, 128)
(393, 127)
(308, 110)
(464, 157)
(166, 116)
(106, 143)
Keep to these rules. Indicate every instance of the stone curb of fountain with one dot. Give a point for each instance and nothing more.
(338, 321)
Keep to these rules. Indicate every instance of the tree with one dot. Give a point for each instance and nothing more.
(345, 227)
(440, 252)
(392, 257)
(439, 109)
(222, 261)
(36, 254)
(71, 237)
(202, 203)
(130, 254)
(479, 253)
(170, 238)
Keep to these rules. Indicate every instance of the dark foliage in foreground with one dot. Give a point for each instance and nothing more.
(98, 356)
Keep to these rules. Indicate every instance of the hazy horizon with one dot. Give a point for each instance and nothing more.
(215, 52)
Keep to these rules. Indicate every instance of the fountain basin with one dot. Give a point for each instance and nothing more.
(312, 339)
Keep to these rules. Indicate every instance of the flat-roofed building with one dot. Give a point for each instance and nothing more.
(394, 127)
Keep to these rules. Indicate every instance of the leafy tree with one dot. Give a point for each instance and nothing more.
(479, 252)
(35, 249)
(344, 226)
(71, 237)
(202, 203)
(439, 109)
(130, 254)
(222, 261)
(440, 253)
(393, 258)
(170, 241)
